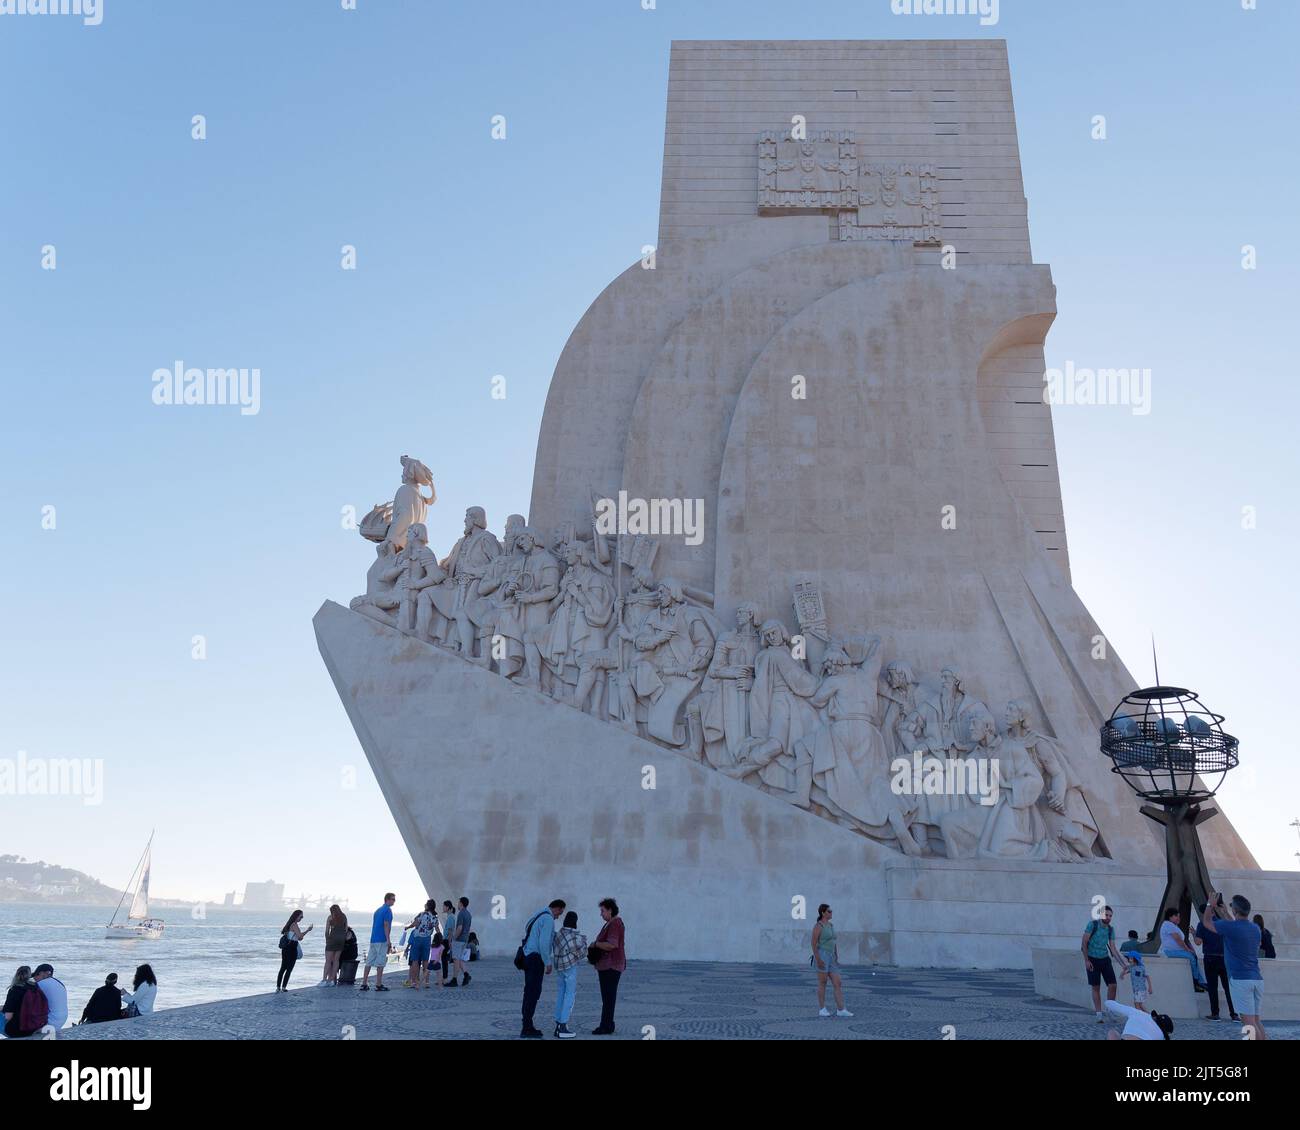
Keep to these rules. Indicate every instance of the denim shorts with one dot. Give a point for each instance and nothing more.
(419, 948)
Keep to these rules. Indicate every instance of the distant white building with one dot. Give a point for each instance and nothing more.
(264, 896)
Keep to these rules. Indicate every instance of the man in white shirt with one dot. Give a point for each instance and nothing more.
(56, 995)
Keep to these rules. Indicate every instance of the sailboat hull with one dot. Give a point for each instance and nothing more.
(144, 930)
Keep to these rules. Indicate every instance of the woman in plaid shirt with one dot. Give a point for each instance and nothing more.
(569, 949)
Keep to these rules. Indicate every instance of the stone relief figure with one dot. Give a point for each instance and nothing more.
(409, 504)
(630, 612)
(780, 715)
(523, 599)
(718, 718)
(741, 701)
(1015, 827)
(940, 729)
(488, 605)
(580, 617)
(381, 599)
(1069, 821)
(946, 714)
(850, 760)
(456, 599)
(900, 713)
(420, 576)
(962, 819)
(675, 644)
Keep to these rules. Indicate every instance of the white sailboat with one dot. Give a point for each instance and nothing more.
(138, 924)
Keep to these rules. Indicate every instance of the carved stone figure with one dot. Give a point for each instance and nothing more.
(719, 716)
(898, 723)
(850, 761)
(1015, 827)
(524, 600)
(421, 575)
(962, 819)
(456, 599)
(580, 616)
(1069, 820)
(630, 612)
(381, 600)
(675, 644)
(409, 504)
(945, 714)
(780, 715)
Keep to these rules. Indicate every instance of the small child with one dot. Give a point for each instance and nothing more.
(435, 959)
(1140, 979)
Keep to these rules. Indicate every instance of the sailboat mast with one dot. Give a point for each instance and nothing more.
(129, 883)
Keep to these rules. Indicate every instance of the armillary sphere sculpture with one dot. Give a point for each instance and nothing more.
(1174, 753)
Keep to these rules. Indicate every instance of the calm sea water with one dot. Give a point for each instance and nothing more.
(231, 953)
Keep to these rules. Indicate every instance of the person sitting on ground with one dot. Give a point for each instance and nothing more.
(139, 1002)
(1131, 943)
(1138, 1025)
(105, 1003)
(16, 1027)
(56, 995)
(1265, 939)
(1173, 943)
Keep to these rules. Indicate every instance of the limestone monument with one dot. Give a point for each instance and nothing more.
(771, 681)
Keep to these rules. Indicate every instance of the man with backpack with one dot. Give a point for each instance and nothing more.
(1097, 947)
(534, 958)
(26, 1010)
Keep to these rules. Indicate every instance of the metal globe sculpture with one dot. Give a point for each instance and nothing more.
(1174, 753)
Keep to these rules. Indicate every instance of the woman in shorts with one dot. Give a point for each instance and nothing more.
(826, 958)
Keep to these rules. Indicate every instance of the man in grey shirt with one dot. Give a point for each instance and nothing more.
(460, 943)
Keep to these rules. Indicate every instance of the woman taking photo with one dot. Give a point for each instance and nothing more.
(826, 958)
(290, 950)
(139, 1002)
(336, 936)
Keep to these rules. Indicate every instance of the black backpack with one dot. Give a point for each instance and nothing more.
(519, 953)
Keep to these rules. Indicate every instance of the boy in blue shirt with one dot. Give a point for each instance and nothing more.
(1241, 955)
(1141, 981)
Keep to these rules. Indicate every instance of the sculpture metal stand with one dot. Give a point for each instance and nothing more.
(1167, 745)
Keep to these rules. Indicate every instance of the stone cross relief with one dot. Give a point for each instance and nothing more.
(820, 171)
(821, 721)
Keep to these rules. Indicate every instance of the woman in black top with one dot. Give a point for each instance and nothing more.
(105, 1003)
(1265, 937)
(14, 1000)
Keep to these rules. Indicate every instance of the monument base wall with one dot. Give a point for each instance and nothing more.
(513, 799)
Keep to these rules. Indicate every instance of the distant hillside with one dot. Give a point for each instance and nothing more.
(23, 880)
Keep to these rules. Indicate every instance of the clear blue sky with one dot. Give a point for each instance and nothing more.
(477, 257)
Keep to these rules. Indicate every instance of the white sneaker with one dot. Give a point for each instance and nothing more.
(824, 1012)
(1100, 1019)
(843, 1012)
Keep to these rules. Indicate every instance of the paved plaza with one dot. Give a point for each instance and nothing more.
(679, 1001)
